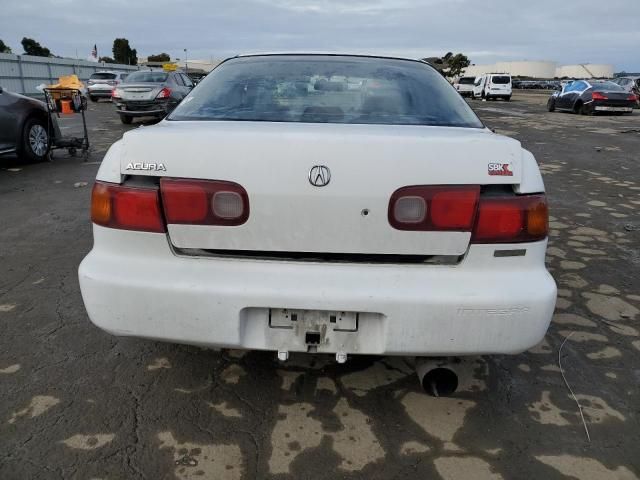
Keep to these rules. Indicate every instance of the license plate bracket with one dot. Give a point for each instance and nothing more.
(313, 320)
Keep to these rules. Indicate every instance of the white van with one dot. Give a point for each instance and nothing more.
(464, 86)
(493, 85)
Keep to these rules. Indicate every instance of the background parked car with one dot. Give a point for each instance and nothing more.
(149, 93)
(631, 85)
(25, 128)
(464, 86)
(493, 85)
(590, 96)
(101, 84)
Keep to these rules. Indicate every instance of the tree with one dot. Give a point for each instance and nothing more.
(161, 57)
(451, 65)
(4, 48)
(106, 60)
(123, 53)
(31, 47)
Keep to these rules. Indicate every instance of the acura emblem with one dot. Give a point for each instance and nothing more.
(319, 175)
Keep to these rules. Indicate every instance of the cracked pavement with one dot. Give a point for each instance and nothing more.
(76, 402)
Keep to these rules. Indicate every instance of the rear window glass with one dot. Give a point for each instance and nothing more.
(152, 77)
(467, 80)
(607, 87)
(500, 79)
(102, 76)
(326, 89)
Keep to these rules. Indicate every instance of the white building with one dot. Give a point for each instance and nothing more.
(542, 69)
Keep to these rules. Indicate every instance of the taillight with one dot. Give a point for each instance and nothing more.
(599, 96)
(632, 97)
(434, 208)
(490, 219)
(511, 219)
(127, 208)
(164, 93)
(115, 93)
(204, 202)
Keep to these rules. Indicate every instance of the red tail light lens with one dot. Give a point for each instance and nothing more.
(115, 93)
(599, 96)
(511, 219)
(164, 93)
(632, 97)
(127, 208)
(434, 208)
(204, 202)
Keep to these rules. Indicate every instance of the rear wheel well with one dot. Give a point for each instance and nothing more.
(577, 106)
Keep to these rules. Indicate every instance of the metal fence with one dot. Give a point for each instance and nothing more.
(23, 73)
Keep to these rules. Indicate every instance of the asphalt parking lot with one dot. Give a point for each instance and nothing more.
(78, 403)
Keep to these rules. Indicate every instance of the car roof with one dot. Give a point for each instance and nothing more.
(326, 54)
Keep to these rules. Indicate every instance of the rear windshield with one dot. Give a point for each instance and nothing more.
(607, 87)
(326, 89)
(467, 80)
(152, 77)
(102, 76)
(500, 79)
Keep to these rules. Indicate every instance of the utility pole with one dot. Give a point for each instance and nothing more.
(186, 62)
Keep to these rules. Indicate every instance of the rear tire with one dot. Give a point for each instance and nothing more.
(126, 119)
(584, 109)
(36, 141)
(551, 105)
(92, 98)
(507, 98)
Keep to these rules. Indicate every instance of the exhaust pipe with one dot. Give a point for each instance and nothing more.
(437, 377)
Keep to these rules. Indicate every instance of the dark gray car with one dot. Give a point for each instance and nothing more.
(25, 128)
(150, 94)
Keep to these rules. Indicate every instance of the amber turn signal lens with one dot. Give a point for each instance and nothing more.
(100, 204)
(538, 219)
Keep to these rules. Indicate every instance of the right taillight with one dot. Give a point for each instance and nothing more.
(204, 202)
(511, 219)
(489, 217)
(164, 93)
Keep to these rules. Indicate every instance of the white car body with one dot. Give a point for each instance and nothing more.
(102, 87)
(464, 88)
(204, 285)
(486, 86)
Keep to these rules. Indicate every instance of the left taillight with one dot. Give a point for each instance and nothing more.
(115, 93)
(204, 202)
(598, 96)
(126, 208)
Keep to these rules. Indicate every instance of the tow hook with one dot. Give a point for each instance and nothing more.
(283, 355)
(341, 357)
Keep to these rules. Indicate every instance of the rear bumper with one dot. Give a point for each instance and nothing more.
(134, 285)
(143, 109)
(99, 92)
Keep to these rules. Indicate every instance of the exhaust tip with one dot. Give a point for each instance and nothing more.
(440, 382)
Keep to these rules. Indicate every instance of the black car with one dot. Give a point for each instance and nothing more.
(25, 128)
(592, 96)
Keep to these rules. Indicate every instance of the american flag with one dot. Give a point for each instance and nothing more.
(94, 52)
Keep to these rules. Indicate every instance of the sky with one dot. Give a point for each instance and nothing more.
(565, 31)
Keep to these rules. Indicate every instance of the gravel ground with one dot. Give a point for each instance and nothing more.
(76, 402)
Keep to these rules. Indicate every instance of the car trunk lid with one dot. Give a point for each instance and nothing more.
(139, 91)
(367, 163)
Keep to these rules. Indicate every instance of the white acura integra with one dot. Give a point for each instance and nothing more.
(321, 203)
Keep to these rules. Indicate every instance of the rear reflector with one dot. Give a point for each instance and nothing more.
(434, 208)
(511, 219)
(204, 202)
(127, 208)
